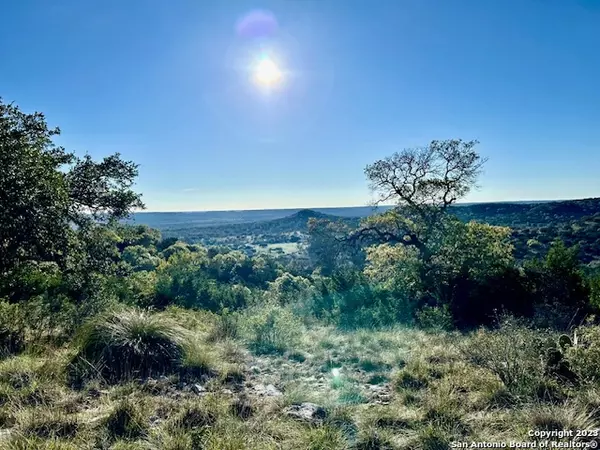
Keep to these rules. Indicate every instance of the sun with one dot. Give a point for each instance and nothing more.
(266, 73)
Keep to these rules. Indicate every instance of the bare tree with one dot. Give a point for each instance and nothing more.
(434, 176)
(423, 183)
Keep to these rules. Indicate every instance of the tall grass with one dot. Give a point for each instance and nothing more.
(127, 344)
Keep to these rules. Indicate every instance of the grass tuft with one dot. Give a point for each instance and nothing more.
(126, 421)
(47, 424)
(130, 344)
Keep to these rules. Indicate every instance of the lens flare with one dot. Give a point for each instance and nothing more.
(257, 24)
(266, 73)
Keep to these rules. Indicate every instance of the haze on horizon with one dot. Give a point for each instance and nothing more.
(281, 104)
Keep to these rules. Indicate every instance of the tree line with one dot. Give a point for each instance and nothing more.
(66, 256)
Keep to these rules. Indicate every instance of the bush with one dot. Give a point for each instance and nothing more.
(272, 329)
(513, 354)
(38, 320)
(584, 356)
(130, 343)
(186, 282)
(562, 295)
(477, 301)
(435, 318)
(12, 329)
(351, 302)
(227, 326)
(287, 289)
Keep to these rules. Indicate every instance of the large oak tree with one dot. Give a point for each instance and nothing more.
(51, 201)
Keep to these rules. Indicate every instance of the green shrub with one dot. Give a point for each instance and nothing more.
(12, 329)
(367, 306)
(584, 357)
(227, 326)
(513, 354)
(38, 320)
(272, 329)
(435, 318)
(130, 343)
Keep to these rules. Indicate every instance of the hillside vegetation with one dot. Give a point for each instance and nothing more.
(534, 227)
(421, 327)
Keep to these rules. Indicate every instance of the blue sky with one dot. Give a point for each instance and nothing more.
(166, 83)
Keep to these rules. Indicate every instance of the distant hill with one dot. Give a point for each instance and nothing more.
(518, 214)
(299, 220)
(294, 223)
(528, 214)
(535, 224)
(179, 220)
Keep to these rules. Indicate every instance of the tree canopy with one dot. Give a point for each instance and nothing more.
(50, 199)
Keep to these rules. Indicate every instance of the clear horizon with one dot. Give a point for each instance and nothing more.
(352, 206)
(340, 84)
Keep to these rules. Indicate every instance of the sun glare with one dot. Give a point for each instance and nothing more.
(267, 73)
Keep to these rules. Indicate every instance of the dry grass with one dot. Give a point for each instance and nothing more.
(436, 393)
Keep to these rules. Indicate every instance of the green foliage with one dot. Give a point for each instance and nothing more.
(435, 318)
(49, 424)
(136, 289)
(130, 343)
(13, 326)
(288, 289)
(227, 326)
(185, 280)
(140, 258)
(125, 421)
(175, 249)
(559, 287)
(349, 300)
(460, 262)
(138, 235)
(584, 356)
(230, 267)
(513, 354)
(272, 329)
(34, 195)
(594, 285)
(476, 249)
(38, 320)
(327, 249)
(44, 190)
